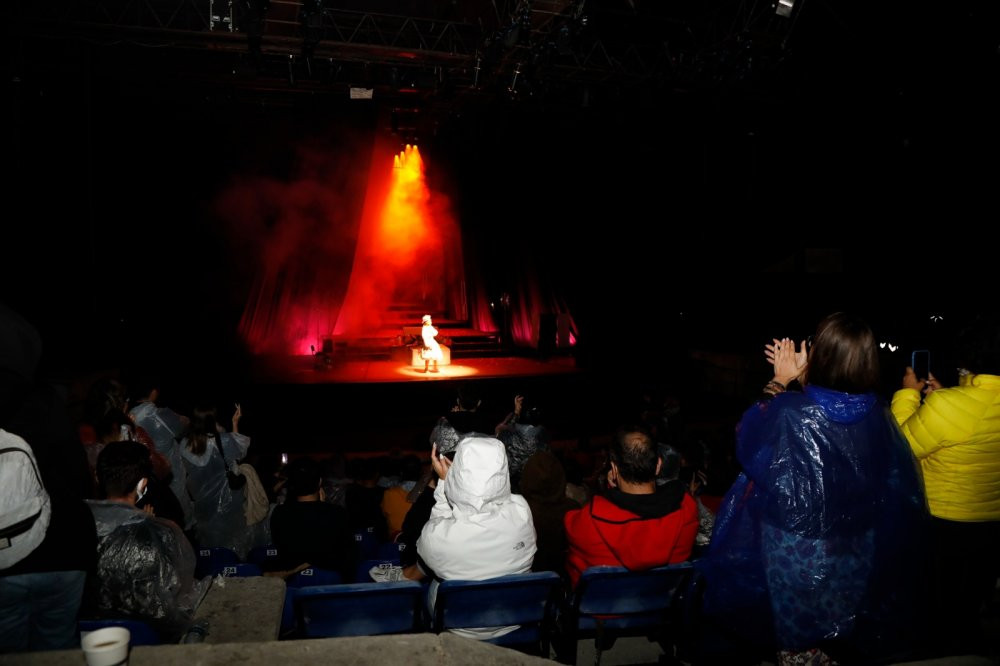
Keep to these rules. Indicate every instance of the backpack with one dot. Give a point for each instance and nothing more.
(25, 508)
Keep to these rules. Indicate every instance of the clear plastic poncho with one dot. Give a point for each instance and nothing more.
(218, 509)
(820, 541)
(521, 441)
(145, 569)
(165, 426)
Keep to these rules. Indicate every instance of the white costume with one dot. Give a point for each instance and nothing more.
(477, 529)
(431, 350)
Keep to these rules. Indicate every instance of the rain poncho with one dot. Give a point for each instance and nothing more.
(521, 442)
(145, 569)
(820, 538)
(218, 509)
(477, 529)
(164, 427)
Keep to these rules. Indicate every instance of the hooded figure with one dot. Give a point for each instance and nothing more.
(478, 529)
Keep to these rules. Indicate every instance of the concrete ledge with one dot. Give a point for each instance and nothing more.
(243, 610)
(445, 649)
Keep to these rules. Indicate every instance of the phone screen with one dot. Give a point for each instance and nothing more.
(284, 458)
(920, 361)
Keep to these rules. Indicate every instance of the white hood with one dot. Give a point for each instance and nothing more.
(478, 480)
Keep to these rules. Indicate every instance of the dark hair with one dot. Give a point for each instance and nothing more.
(109, 425)
(979, 345)
(468, 397)
(844, 356)
(303, 477)
(671, 467)
(635, 454)
(532, 416)
(203, 426)
(103, 396)
(120, 467)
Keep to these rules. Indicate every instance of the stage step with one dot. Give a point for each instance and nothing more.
(395, 342)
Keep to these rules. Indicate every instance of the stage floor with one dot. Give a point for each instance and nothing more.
(305, 370)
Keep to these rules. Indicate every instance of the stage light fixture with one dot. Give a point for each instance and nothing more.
(784, 8)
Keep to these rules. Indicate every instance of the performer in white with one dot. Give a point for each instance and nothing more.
(431, 353)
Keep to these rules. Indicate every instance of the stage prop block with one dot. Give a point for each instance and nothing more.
(418, 362)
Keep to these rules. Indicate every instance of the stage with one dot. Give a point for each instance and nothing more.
(305, 369)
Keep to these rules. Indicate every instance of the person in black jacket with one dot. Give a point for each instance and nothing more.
(309, 532)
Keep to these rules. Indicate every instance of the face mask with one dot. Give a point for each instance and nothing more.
(140, 490)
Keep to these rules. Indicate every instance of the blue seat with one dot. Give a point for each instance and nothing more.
(263, 556)
(609, 602)
(306, 578)
(390, 551)
(240, 570)
(313, 576)
(367, 543)
(211, 561)
(529, 600)
(359, 609)
(141, 633)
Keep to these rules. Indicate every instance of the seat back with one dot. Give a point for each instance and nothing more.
(312, 577)
(240, 570)
(263, 556)
(612, 601)
(618, 591)
(141, 633)
(528, 600)
(391, 550)
(302, 580)
(367, 543)
(359, 609)
(211, 561)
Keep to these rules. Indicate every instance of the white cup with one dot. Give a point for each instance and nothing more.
(107, 646)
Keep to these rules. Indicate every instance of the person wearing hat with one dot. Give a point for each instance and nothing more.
(431, 353)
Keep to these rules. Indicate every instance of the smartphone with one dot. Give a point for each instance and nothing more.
(284, 458)
(920, 361)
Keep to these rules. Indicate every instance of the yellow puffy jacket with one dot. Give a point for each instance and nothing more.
(955, 434)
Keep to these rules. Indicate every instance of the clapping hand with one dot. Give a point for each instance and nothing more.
(788, 363)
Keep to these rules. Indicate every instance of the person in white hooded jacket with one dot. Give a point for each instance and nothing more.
(477, 529)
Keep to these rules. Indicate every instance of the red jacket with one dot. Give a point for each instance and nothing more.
(655, 530)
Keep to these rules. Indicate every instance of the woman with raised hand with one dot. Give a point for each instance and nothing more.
(818, 548)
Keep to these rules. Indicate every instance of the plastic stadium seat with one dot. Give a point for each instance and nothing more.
(528, 600)
(359, 609)
(211, 561)
(263, 556)
(303, 579)
(609, 602)
(240, 571)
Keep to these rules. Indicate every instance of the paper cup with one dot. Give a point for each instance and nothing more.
(107, 646)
